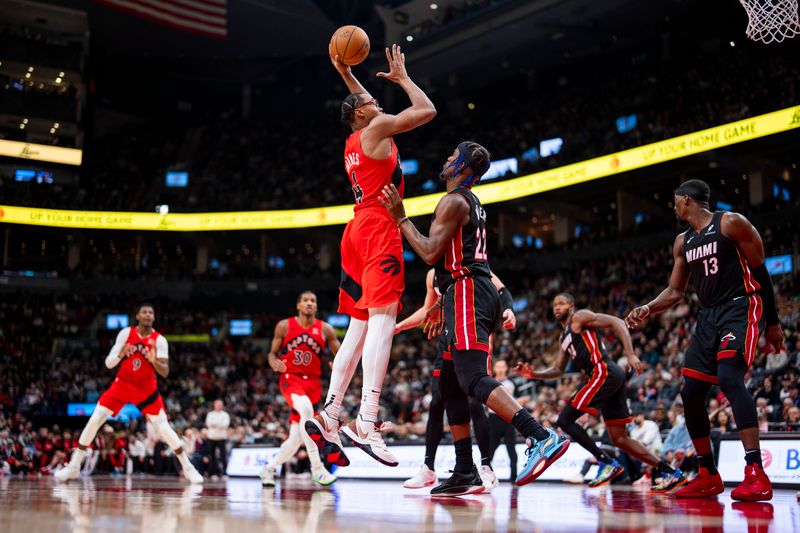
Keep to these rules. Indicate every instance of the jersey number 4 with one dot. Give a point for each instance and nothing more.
(711, 266)
(301, 358)
(358, 192)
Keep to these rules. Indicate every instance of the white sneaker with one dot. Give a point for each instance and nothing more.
(424, 478)
(372, 442)
(575, 477)
(321, 476)
(267, 476)
(488, 477)
(192, 475)
(67, 473)
(324, 431)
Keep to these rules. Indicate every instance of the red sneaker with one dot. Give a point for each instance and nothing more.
(703, 486)
(755, 487)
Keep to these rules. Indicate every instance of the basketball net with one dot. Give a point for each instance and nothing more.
(771, 21)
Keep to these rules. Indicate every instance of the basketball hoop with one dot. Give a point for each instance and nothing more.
(771, 21)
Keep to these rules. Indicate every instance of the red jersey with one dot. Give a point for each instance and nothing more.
(302, 348)
(136, 369)
(369, 176)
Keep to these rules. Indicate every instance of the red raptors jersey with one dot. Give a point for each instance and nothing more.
(369, 176)
(136, 369)
(302, 348)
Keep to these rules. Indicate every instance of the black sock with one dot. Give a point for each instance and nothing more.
(707, 462)
(753, 457)
(463, 456)
(664, 468)
(528, 426)
(430, 460)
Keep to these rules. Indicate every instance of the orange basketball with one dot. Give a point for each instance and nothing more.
(351, 44)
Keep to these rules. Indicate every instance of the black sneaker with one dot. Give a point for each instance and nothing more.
(459, 485)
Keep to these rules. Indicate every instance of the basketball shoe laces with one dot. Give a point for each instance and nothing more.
(375, 438)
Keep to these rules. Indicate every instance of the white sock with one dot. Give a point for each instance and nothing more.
(303, 405)
(288, 448)
(377, 351)
(344, 366)
(76, 459)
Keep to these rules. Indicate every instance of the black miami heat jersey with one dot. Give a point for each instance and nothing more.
(466, 254)
(718, 270)
(585, 349)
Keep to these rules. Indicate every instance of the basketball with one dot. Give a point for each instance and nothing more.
(351, 44)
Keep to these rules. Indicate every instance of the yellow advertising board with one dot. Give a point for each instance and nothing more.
(591, 169)
(41, 152)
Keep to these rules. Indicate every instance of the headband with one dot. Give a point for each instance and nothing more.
(693, 191)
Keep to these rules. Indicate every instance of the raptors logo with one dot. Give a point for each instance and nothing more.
(766, 458)
(137, 363)
(391, 265)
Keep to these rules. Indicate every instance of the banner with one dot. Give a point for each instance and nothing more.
(539, 182)
(249, 461)
(41, 152)
(780, 457)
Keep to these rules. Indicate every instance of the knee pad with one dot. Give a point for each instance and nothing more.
(457, 408)
(568, 416)
(694, 394)
(730, 377)
(476, 408)
(470, 368)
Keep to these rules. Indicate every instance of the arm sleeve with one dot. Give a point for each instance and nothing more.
(162, 347)
(112, 359)
(767, 294)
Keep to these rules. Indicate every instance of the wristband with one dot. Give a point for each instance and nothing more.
(401, 221)
(646, 310)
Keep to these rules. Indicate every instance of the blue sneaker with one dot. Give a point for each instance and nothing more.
(541, 454)
(606, 473)
(669, 481)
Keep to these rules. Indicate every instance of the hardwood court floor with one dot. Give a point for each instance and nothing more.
(166, 505)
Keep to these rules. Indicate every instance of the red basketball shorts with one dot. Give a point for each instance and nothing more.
(147, 400)
(301, 386)
(372, 263)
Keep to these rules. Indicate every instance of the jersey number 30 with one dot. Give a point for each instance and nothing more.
(301, 358)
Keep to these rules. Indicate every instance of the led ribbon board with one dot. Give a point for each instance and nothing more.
(556, 178)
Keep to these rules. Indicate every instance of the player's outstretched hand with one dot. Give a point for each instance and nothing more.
(397, 65)
(432, 325)
(393, 203)
(337, 62)
(637, 316)
(278, 366)
(509, 319)
(635, 364)
(524, 370)
(774, 336)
